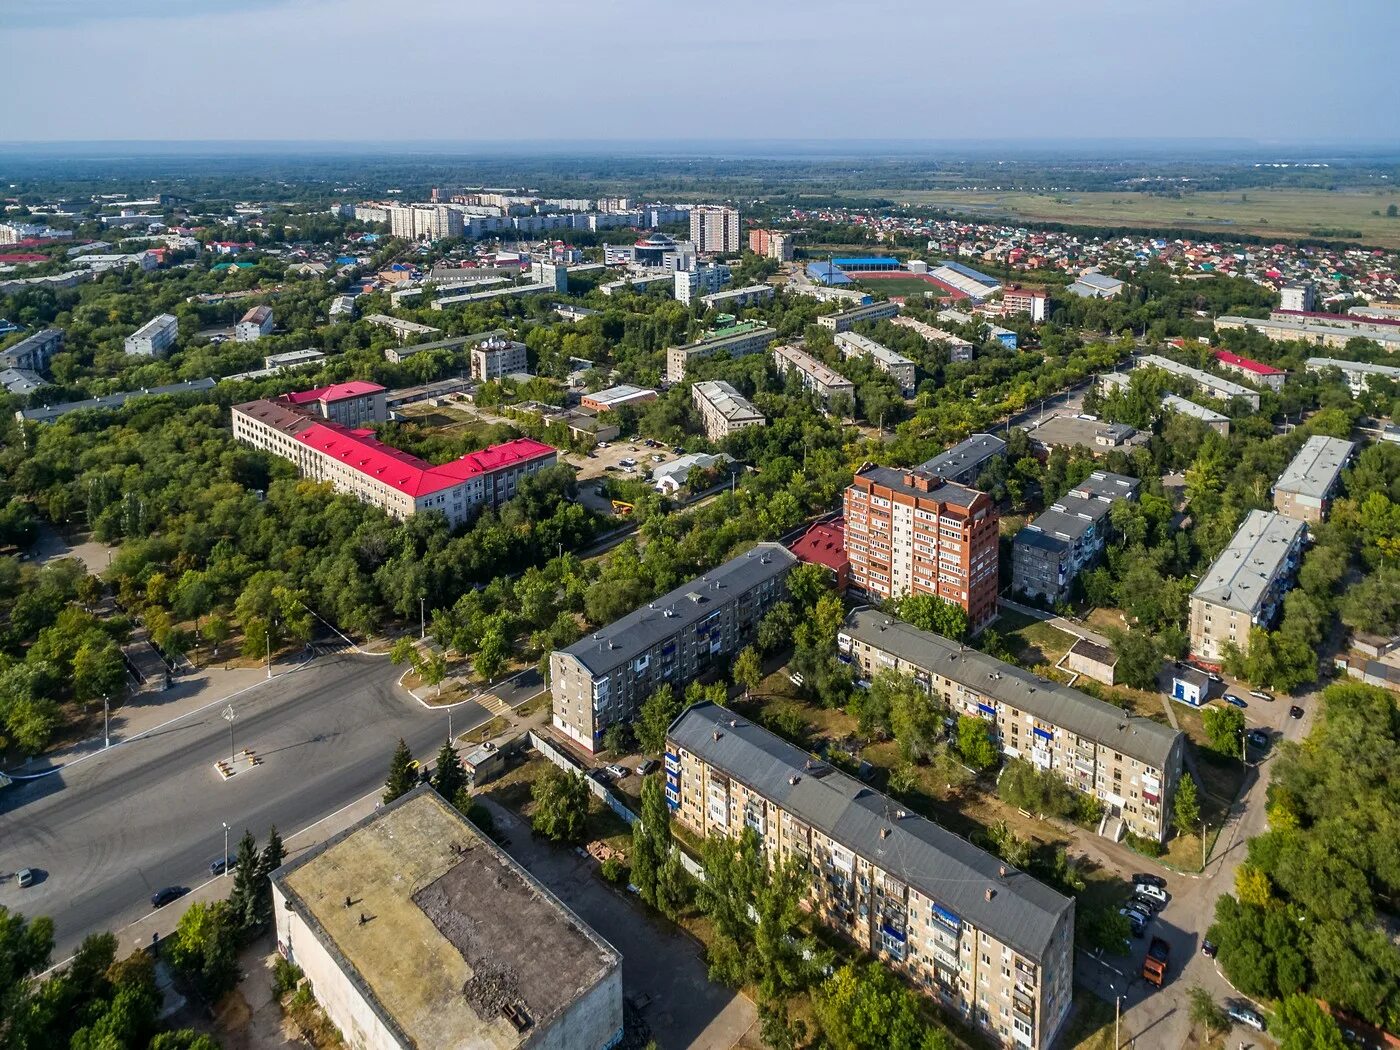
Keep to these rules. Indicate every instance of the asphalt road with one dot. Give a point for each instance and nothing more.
(110, 830)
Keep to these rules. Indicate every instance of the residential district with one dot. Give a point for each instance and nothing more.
(1012, 658)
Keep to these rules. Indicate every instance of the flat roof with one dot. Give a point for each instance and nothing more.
(1106, 485)
(615, 395)
(1206, 379)
(897, 479)
(965, 455)
(1094, 651)
(1317, 466)
(458, 934)
(1022, 912)
(1071, 710)
(1177, 403)
(1072, 430)
(628, 637)
(727, 401)
(1238, 578)
(449, 344)
(1303, 327)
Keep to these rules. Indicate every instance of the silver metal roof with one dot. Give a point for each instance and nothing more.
(727, 401)
(1176, 403)
(1317, 466)
(1239, 578)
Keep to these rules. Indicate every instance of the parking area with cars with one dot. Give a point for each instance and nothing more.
(623, 459)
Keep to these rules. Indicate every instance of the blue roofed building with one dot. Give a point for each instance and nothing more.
(827, 273)
(875, 262)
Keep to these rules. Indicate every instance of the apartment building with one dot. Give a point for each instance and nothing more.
(405, 330)
(1207, 383)
(1217, 421)
(991, 945)
(772, 244)
(965, 461)
(604, 677)
(1255, 371)
(1305, 488)
(747, 337)
(845, 320)
(33, 352)
(1358, 374)
(817, 377)
(1313, 328)
(306, 430)
(1130, 764)
(895, 365)
(497, 356)
(703, 280)
(1031, 301)
(1298, 297)
(425, 221)
(738, 298)
(715, 230)
(1245, 586)
(909, 531)
(723, 410)
(154, 337)
(1066, 431)
(959, 349)
(1050, 552)
(399, 354)
(255, 324)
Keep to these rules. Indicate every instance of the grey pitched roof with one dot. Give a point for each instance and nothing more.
(1176, 403)
(1106, 485)
(1139, 738)
(1022, 913)
(965, 455)
(1316, 467)
(627, 638)
(1239, 577)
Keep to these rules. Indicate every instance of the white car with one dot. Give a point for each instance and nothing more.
(1155, 892)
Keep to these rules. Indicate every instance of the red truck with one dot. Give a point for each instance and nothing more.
(1154, 967)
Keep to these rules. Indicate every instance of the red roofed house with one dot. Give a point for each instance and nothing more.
(352, 460)
(825, 544)
(1255, 371)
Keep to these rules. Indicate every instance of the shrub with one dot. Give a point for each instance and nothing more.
(285, 976)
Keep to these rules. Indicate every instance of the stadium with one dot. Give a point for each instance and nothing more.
(949, 279)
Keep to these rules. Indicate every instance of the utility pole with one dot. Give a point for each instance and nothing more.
(449, 723)
(1203, 845)
(422, 619)
(106, 721)
(269, 653)
(1117, 1012)
(224, 873)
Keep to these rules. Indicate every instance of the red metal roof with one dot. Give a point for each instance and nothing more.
(334, 392)
(1249, 365)
(824, 544)
(407, 473)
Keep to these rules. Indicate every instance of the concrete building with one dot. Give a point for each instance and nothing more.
(495, 357)
(1299, 298)
(1094, 285)
(846, 319)
(21, 381)
(604, 677)
(988, 943)
(292, 359)
(418, 932)
(825, 382)
(747, 337)
(824, 544)
(670, 478)
(431, 222)
(1129, 763)
(398, 355)
(1030, 301)
(1245, 586)
(1364, 325)
(1312, 328)
(1358, 374)
(1064, 431)
(1256, 372)
(1207, 383)
(1190, 685)
(1049, 553)
(353, 461)
(738, 298)
(1092, 660)
(255, 324)
(154, 337)
(48, 413)
(615, 397)
(690, 284)
(723, 410)
(715, 230)
(965, 461)
(342, 306)
(772, 244)
(1305, 489)
(407, 331)
(959, 349)
(467, 298)
(908, 531)
(33, 352)
(895, 365)
(1217, 421)
(972, 283)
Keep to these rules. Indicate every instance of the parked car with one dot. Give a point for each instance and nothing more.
(602, 444)
(25, 877)
(678, 450)
(218, 866)
(1208, 949)
(1259, 694)
(1245, 1016)
(1133, 915)
(1233, 700)
(1145, 879)
(1148, 890)
(647, 766)
(1148, 904)
(618, 771)
(161, 898)
(1295, 712)
(1258, 738)
(1138, 929)
(627, 462)
(657, 457)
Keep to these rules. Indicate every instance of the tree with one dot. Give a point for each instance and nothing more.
(1206, 1012)
(975, 742)
(243, 898)
(656, 869)
(654, 718)
(1301, 1024)
(561, 805)
(929, 612)
(491, 653)
(269, 860)
(404, 650)
(99, 670)
(204, 948)
(915, 721)
(1252, 886)
(1139, 658)
(863, 1007)
(25, 948)
(432, 669)
(748, 669)
(1224, 728)
(448, 775)
(1186, 806)
(403, 777)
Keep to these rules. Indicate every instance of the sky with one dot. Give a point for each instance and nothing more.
(1275, 71)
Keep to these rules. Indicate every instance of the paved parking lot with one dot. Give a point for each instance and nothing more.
(612, 456)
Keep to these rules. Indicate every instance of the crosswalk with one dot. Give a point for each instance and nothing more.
(330, 648)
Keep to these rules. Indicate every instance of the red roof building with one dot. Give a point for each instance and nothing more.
(825, 544)
(1256, 371)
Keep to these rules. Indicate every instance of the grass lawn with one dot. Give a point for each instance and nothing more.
(908, 286)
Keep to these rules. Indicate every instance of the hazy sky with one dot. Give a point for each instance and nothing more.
(465, 70)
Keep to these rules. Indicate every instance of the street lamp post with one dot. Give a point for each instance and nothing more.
(106, 721)
(422, 620)
(1117, 1013)
(224, 873)
(229, 716)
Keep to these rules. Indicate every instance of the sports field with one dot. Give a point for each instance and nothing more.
(897, 284)
(1286, 214)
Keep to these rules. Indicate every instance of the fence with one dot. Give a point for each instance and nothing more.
(566, 762)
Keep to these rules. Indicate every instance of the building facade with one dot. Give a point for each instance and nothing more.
(255, 324)
(738, 298)
(1050, 552)
(911, 532)
(1255, 371)
(1130, 764)
(989, 944)
(772, 244)
(1211, 385)
(748, 337)
(895, 365)
(844, 320)
(604, 677)
(495, 357)
(817, 377)
(715, 230)
(1245, 586)
(1358, 374)
(1030, 301)
(965, 461)
(723, 410)
(33, 352)
(1305, 489)
(154, 337)
(703, 280)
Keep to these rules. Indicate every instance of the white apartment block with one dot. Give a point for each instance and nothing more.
(817, 377)
(715, 230)
(846, 319)
(895, 365)
(255, 324)
(723, 410)
(1358, 374)
(495, 357)
(703, 280)
(1208, 383)
(154, 337)
(738, 298)
(33, 352)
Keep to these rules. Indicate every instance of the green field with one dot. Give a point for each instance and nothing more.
(1286, 214)
(910, 286)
